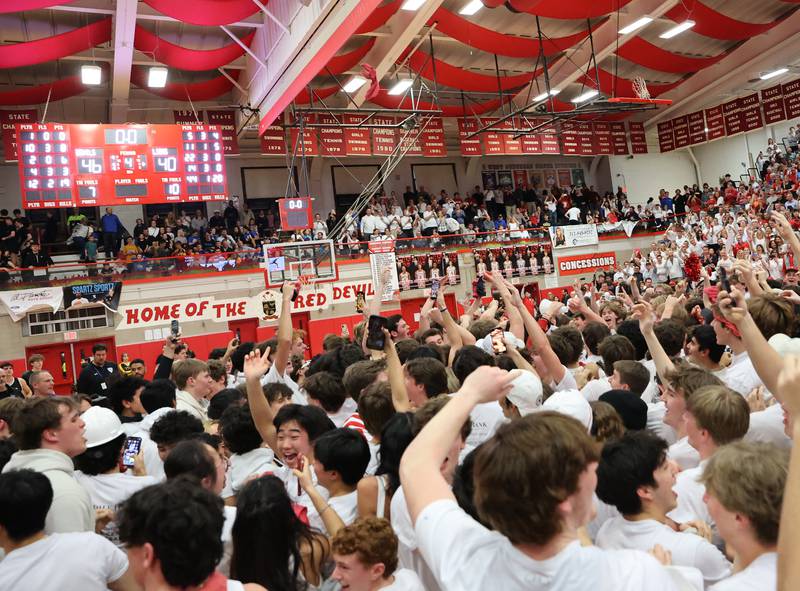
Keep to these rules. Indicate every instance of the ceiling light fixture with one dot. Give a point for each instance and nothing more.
(635, 25)
(354, 84)
(582, 98)
(401, 86)
(544, 95)
(471, 8)
(157, 77)
(677, 30)
(412, 4)
(91, 75)
(774, 73)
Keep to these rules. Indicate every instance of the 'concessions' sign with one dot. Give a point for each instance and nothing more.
(586, 263)
(571, 236)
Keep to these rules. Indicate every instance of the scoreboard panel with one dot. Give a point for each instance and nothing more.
(66, 165)
(295, 212)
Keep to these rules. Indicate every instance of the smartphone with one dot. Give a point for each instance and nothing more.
(435, 288)
(480, 288)
(131, 450)
(724, 284)
(296, 291)
(175, 328)
(498, 346)
(375, 337)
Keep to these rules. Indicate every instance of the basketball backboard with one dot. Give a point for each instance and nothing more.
(314, 261)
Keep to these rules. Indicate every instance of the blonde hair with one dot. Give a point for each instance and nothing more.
(749, 478)
(720, 411)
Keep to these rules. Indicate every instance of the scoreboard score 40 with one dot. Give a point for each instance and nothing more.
(69, 165)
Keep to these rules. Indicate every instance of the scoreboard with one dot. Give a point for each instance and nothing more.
(69, 165)
(295, 213)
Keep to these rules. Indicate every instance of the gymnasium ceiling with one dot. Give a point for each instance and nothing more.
(266, 54)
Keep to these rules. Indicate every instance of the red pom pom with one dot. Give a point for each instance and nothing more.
(692, 267)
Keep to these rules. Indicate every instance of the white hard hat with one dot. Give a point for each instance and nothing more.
(102, 425)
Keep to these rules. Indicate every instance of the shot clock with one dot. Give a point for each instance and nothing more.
(66, 165)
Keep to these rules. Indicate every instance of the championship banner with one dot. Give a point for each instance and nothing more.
(381, 259)
(586, 263)
(91, 294)
(572, 236)
(20, 303)
(184, 117)
(227, 123)
(8, 121)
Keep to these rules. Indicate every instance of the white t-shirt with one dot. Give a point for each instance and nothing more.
(603, 512)
(762, 573)
(243, 466)
(687, 549)
(684, 454)
(740, 375)
(408, 554)
(574, 214)
(655, 422)
(767, 426)
(346, 506)
(405, 580)
(81, 561)
(690, 497)
(273, 376)
(109, 491)
(594, 389)
(347, 410)
(485, 419)
(463, 554)
(567, 382)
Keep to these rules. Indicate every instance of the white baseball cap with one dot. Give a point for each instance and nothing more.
(102, 425)
(486, 342)
(526, 393)
(571, 403)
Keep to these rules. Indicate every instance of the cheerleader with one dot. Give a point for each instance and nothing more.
(494, 265)
(521, 265)
(405, 279)
(534, 265)
(547, 264)
(508, 268)
(481, 266)
(435, 272)
(452, 273)
(420, 278)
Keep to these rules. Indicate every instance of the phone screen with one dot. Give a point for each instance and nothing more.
(434, 288)
(375, 337)
(724, 284)
(131, 450)
(480, 288)
(175, 328)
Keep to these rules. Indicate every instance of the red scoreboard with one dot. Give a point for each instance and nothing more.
(68, 165)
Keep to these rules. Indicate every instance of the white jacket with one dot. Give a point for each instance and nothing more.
(71, 510)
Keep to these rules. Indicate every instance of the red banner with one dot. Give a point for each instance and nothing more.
(791, 99)
(570, 143)
(384, 139)
(273, 142)
(680, 129)
(715, 123)
(619, 139)
(227, 122)
(750, 112)
(772, 99)
(432, 139)
(8, 119)
(492, 141)
(732, 115)
(601, 140)
(531, 143)
(511, 146)
(472, 146)
(638, 137)
(331, 139)
(549, 139)
(308, 144)
(357, 141)
(187, 117)
(584, 264)
(666, 137)
(697, 127)
(520, 179)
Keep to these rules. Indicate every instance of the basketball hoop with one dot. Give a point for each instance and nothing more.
(642, 95)
(640, 88)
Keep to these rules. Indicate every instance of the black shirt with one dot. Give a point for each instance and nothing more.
(92, 379)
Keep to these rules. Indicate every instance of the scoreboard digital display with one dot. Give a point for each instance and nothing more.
(295, 213)
(69, 165)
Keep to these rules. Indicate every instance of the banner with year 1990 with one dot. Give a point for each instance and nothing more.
(572, 236)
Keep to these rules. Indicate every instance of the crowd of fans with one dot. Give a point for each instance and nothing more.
(634, 435)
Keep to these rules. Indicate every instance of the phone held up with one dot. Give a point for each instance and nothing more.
(376, 340)
(131, 450)
(174, 329)
(498, 346)
(435, 288)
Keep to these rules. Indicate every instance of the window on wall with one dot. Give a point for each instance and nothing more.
(348, 183)
(39, 323)
(435, 177)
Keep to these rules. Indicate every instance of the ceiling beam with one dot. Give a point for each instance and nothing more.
(758, 54)
(405, 26)
(143, 16)
(124, 29)
(578, 61)
(108, 60)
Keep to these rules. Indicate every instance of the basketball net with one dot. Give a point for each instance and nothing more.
(640, 88)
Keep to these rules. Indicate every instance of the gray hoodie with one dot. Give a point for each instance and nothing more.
(71, 510)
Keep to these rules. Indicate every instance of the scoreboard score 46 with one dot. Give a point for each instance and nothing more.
(69, 165)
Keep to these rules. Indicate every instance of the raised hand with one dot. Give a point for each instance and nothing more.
(789, 385)
(488, 384)
(256, 364)
(732, 305)
(643, 312)
(304, 474)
